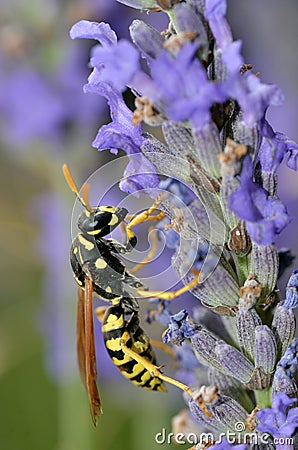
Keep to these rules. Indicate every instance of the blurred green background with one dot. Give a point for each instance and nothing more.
(42, 402)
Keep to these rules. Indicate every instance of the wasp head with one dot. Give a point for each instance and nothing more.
(101, 221)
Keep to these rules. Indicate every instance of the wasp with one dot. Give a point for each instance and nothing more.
(98, 269)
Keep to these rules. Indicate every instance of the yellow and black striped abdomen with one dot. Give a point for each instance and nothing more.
(116, 328)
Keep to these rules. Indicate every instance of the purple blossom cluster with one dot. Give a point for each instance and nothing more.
(218, 160)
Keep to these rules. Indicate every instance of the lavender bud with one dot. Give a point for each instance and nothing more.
(259, 380)
(146, 38)
(230, 386)
(247, 321)
(291, 300)
(179, 139)
(283, 383)
(265, 266)
(230, 167)
(283, 327)
(202, 340)
(208, 146)
(207, 422)
(265, 349)
(209, 225)
(186, 19)
(139, 4)
(165, 161)
(204, 344)
(240, 132)
(234, 362)
(220, 289)
(229, 412)
(286, 371)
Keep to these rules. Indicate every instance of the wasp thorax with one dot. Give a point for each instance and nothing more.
(101, 220)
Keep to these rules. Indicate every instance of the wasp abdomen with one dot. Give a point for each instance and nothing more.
(117, 329)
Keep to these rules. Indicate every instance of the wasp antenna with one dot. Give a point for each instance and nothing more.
(85, 196)
(69, 179)
(84, 199)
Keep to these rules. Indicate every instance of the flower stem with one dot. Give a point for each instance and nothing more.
(263, 397)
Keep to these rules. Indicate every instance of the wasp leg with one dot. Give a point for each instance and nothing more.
(163, 347)
(90, 357)
(156, 372)
(117, 247)
(169, 295)
(100, 312)
(150, 254)
(143, 217)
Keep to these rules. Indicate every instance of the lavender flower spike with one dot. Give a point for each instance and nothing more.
(217, 155)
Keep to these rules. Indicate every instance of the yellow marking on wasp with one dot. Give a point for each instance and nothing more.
(87, 213)
(100, 263)
(93, 232)
(79, 281)
(75, 250)
(113, 323)
(113, 344)
(141, 346)
(87, 244)
(156, 382)
(80, 256)
(108, 289)
(108, 208)
(136, 370)
(114, 220)
(120, 362)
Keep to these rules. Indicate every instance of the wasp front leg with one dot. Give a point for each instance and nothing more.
(143, 217)
(86, 348)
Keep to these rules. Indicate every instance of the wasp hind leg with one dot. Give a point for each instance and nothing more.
(155, 371)
(86, 348)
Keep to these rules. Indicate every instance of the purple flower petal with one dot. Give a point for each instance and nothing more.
(102, 32)
(215, 14)
(265, 217)
(276, 420)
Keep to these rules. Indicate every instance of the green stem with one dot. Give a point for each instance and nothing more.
(242, 269)
(263, 397)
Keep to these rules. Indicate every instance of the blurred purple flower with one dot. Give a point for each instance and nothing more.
(30, 107)
(57, 301)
